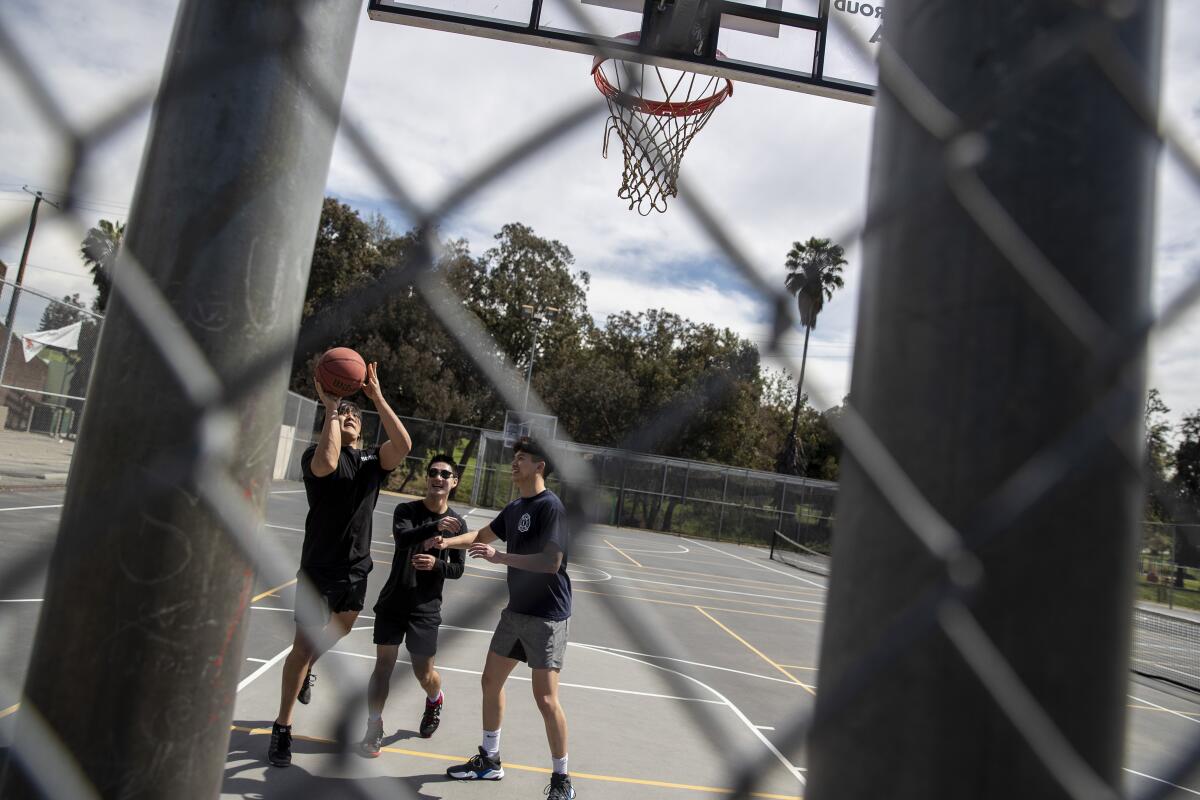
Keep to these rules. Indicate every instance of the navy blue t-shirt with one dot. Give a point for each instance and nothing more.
(527, 525)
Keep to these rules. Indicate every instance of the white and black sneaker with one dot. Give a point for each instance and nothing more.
(305, 694)
(480, 768)
(560, 787)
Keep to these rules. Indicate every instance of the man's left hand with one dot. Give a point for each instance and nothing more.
(424, 562)
(484, 551)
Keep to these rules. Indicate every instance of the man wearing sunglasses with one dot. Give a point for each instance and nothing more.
(409, 610)
(342, 483)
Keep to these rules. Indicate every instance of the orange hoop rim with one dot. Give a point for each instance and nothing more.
(658, 108)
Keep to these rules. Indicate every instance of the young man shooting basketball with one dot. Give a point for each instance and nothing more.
(342, 483)
(535, 624)
(410, 605)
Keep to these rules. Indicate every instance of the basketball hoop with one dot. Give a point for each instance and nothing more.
(654, 131)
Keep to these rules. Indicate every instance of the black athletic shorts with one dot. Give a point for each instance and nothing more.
(332, 598)
(417, 629)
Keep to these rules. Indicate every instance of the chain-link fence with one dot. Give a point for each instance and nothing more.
(1006, 248)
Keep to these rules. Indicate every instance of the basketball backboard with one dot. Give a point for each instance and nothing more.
(525, 423)
(821, 47)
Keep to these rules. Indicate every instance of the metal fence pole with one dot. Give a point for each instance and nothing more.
(965, 374)
(145, 580)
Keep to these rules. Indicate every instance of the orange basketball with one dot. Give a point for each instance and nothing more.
(341, 371)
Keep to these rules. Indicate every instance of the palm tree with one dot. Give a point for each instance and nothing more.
(814, 272)
(99, 251)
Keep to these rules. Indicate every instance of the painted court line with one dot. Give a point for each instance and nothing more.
(253, 676)
(622, 552)
(23, 600)
(791, 768)
(10, 710)
(755, 563)
(1179, 714)
(721, 591)
(1160, 780)
(31, 508)
(756, 651)
(272, 591)
(540, 770)
(530, 680)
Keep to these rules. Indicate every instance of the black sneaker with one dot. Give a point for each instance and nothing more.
(305, 695)
(560, 787)
(479, 768)
(279, 753)
(431, 718)
(372, 741)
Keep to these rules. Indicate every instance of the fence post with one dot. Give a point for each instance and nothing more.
(944, 297)
(145, 579)
(721, 518)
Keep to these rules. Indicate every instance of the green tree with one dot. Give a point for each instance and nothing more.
(1186, 460)
(814, 273)
(1157, 457)
(99, 250)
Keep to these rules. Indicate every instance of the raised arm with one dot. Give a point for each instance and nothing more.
(329, 444)
(398, 445)
(465, 540)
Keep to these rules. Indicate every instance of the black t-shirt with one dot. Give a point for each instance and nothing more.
(337, 530)
(527, 525)
(408, 588)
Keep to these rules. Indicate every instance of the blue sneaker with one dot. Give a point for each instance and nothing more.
(479, 768)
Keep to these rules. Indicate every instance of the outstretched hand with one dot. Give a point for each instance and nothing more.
(484, 551)
(424, 562)
(328, 400)
(371, 384)
(449, 525)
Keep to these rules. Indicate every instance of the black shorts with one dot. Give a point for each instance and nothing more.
(332, 598)
(417, 629)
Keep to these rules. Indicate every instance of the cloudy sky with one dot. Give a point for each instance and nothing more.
(776, 166)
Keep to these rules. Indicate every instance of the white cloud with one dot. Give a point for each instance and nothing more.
(774, 166)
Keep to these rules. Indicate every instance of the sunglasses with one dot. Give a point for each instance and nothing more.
(440, 473)
(351, 410)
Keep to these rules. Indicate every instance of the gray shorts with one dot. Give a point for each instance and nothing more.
(540, 642)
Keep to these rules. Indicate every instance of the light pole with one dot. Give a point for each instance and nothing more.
(539, 316)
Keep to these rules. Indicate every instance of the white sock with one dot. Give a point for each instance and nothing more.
(560, 764)
(491, 743)
(437, 699)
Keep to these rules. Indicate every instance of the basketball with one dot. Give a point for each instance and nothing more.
(341, 371)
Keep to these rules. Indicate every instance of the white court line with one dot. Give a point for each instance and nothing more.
(257, 660)
(289, 491)
(755, 563)
(1164, 708)
(23, 600)
(767, 728)
(722, 591)
(253, 676)
(442, 667)
(1160, 780)
(681, 551)
(31, 508)
(791, 768)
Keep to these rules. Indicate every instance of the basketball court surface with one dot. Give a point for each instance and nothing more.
(743, 633)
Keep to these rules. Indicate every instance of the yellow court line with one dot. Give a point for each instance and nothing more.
(622, 552)
(541, 770)
(757, 652)
(667, 602)
(270, 592)
(10, 710)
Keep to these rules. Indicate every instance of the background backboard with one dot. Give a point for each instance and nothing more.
(821, 47)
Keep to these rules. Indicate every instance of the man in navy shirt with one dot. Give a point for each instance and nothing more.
(342, 483)
(535, 624)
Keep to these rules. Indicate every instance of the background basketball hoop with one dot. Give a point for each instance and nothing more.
(655, 111)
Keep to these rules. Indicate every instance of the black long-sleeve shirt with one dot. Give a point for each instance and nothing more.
(407, 588)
